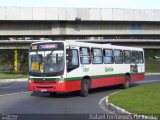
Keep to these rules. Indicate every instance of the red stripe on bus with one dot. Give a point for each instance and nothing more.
(108, 81)
(137, 77)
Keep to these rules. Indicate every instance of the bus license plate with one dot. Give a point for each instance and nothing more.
(43, 90)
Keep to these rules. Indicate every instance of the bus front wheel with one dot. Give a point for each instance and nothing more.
(84, 87)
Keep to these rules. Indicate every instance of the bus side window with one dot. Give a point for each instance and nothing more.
(135, 57)
(118, 57)
(108, 56)
(72, 59)
(141, 59)
(127, 57)
(97, 56)
(85, 55)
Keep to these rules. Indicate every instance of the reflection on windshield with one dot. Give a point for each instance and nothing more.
(46, 62)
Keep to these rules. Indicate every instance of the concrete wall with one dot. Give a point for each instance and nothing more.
(83, 14)
(78, 28)
(18, 28)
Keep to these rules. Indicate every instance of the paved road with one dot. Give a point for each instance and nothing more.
(14, 98)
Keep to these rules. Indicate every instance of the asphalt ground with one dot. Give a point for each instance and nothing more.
(16, 99)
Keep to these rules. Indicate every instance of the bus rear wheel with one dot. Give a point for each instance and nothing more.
(126, 82)
(84, 88)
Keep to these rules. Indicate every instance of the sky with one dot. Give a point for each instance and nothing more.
(134, 4)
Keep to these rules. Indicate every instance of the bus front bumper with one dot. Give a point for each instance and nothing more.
(46, 87)
(54, 86)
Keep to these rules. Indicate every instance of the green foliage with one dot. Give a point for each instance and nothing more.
(151, 53)
(152, 66)
(140, 100)
(11, 75)
(23, 62)
(7, 61)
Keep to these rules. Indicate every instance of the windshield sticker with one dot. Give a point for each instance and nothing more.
(34, 47)
(42, 67)
(35, 66)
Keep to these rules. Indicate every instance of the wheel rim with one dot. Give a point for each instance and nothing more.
(86, 87)
(127, 84)
(127, 80)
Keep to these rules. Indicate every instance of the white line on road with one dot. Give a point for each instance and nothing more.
(14, 94)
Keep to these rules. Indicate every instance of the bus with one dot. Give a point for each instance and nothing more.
(66, 66)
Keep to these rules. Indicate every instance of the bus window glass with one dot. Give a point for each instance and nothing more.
(135, 57)
(108, 56)
(85, 55)
(46, 62)
(118, 58)
(72, 59)
(127, 57)
(97, 56)
(141, 60)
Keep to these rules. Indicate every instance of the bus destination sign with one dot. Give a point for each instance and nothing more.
(48, 46)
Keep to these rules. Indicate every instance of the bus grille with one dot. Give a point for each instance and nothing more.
(44, 87)
(46, 82)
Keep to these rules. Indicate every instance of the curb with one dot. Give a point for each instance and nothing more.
(152, 73)
(120, 111)
(13, 80)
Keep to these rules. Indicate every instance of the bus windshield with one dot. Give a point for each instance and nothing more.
(46, 62)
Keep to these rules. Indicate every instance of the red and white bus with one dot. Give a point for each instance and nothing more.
(65, 66)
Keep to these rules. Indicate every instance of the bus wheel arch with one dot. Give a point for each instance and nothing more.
(85, 86)
(89, 80)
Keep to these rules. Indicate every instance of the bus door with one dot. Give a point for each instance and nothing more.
(72, 59)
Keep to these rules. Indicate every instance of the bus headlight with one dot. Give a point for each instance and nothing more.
(29, 81)
(61, 79)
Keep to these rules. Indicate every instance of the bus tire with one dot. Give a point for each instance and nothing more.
(84, 87)
(126, 82)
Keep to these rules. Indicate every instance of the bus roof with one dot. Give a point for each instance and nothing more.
(109, 46)
(86, 44)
